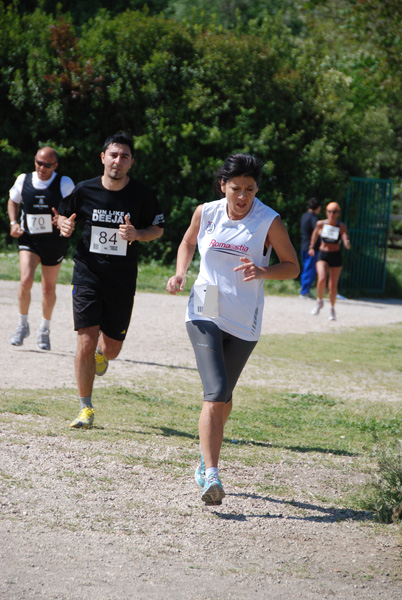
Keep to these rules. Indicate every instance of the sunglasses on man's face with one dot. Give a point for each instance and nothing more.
(43, 164)
(332, 211)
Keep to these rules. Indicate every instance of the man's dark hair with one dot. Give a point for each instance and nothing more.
(120, 138)
(314, 203)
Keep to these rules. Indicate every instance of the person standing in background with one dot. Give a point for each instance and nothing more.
(307, 225)
(39, 240)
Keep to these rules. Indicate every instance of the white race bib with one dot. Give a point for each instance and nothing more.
(206, 300)
(107, 241)
(39, 224)
(330, 232)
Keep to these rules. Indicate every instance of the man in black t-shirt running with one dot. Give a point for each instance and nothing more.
(117, 212)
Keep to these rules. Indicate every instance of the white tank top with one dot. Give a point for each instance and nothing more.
(221, 244)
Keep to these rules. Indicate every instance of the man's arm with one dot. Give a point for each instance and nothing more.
(129, 233)
(13, 210)
(153, 232)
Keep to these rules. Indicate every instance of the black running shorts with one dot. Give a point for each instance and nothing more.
(51, 249)
(334, 259)
(108, 307)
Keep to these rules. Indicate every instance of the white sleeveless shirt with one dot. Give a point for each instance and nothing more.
(221, 243)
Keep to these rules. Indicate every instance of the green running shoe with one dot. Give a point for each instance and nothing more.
(101, 363)
(84, 419)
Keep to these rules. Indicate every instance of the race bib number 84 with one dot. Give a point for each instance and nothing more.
(107, 241)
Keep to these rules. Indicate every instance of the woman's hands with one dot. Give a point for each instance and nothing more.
(175, 284)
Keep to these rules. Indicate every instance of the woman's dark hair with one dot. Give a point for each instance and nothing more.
(120, 138)
(237, 165)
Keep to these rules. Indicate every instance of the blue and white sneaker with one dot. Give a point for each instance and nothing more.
(199, 474)
(17, 339)
(213, 491)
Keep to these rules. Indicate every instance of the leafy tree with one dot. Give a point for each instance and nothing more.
(276, 82)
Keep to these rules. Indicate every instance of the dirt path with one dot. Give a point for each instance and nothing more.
(157, 336)
(76, 524)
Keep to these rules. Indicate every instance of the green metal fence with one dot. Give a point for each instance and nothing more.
(367, 216)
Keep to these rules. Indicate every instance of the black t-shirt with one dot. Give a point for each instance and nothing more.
(307, 226)
(101, 257)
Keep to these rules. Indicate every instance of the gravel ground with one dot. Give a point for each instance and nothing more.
(82, 523)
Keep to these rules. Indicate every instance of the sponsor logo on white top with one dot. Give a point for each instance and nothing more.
(41, 202)
(215, 244)
(211, 227)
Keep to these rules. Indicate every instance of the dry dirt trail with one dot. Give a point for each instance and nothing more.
(82, 525)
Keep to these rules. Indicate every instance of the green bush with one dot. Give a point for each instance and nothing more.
(276, 86)
(383, 495)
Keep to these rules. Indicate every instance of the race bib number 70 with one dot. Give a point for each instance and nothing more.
(107, 241)
(39, 224)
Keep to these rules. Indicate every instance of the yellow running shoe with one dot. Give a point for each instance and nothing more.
(101, 363)
(84, 419)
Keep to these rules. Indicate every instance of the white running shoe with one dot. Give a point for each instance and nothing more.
(317, 307)
(332, 315)
(17, 339)
(43, 342)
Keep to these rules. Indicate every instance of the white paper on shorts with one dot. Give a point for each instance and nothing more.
(206, 300)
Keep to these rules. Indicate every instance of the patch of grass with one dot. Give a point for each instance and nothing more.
(318, 424)
(393, 278)
(383, 495)
(300, 423)
(27, 407)
(152, 276)
(10, 269)
(374, 349)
